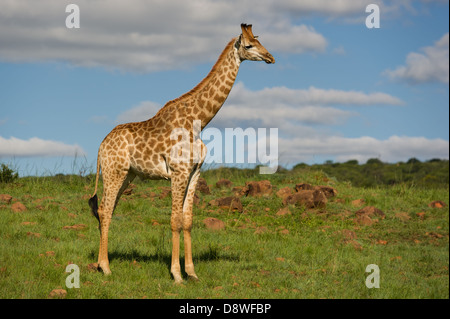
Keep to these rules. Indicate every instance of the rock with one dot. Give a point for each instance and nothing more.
(18, 207)
(93, 267)
(284, 192)
(260, 188)
(5, 198)
(57, 293)
(155, 222)
(230, 202)
(421, 215)
(166, 191)
(212, 223)
(240, 191)
(76, 227)
(437, 204)
(358, 202)
(261, 230)
(366, 215)
(129, 190)
(224, 183)
(196, 199)
(202, 186)
(283, 211)
(350, 239)
(363, 220)
(303, 187)
(433, 234)
(371, 211)
(355, 244)
(307, 198)
(404, 216)
(327, 191)
(348, 234)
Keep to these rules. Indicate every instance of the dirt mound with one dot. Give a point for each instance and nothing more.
(212, 223)
(202, 186)
(259, 188)
(5, 198)
(18, 207)
(308, 198)
(229, 203)
(224, 183)
(437, 204)
(368, 215)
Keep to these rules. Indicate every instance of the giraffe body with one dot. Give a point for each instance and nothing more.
(148, 149)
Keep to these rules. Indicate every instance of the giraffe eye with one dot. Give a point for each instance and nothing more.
(248, 47)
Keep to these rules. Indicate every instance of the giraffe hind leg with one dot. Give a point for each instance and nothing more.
(111, 195)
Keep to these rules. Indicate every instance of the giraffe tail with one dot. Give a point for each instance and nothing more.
(93, 201)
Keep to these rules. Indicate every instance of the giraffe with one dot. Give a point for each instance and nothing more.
(146, 149)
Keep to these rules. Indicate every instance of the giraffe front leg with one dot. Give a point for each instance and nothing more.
(175, 268)
(199, 156)
(189, 264)
(187, 225)
(179, 183)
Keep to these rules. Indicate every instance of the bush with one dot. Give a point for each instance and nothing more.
(7, 175)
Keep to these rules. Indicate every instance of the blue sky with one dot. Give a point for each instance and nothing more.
(338, 90)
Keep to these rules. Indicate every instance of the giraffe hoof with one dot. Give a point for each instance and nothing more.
(105, 269)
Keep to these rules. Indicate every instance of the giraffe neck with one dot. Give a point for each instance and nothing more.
(205, 100)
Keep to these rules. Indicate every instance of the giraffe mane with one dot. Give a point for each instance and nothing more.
(201, 85)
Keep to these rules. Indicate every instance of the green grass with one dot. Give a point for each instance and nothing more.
(253, 257)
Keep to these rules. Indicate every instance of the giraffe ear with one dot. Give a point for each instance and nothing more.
(237, 44)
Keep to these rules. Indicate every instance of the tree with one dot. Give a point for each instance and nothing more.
(7, 175)
(374, 161)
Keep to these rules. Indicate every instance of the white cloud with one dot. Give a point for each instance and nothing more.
(326, 7)
(15, 147)
(312, 95)
(144, 111)
(141, 36)
(294, 110)
(287, 38)
(430, 66)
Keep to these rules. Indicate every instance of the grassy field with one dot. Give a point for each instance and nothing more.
(309, 253)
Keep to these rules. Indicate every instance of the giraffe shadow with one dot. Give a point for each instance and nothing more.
(208, 255)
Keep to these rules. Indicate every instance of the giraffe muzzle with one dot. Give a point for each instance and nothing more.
(269, 59)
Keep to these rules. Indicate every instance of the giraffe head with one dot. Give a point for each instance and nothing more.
(249, 48)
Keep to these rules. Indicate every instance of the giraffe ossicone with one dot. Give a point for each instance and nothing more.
(152, 149)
